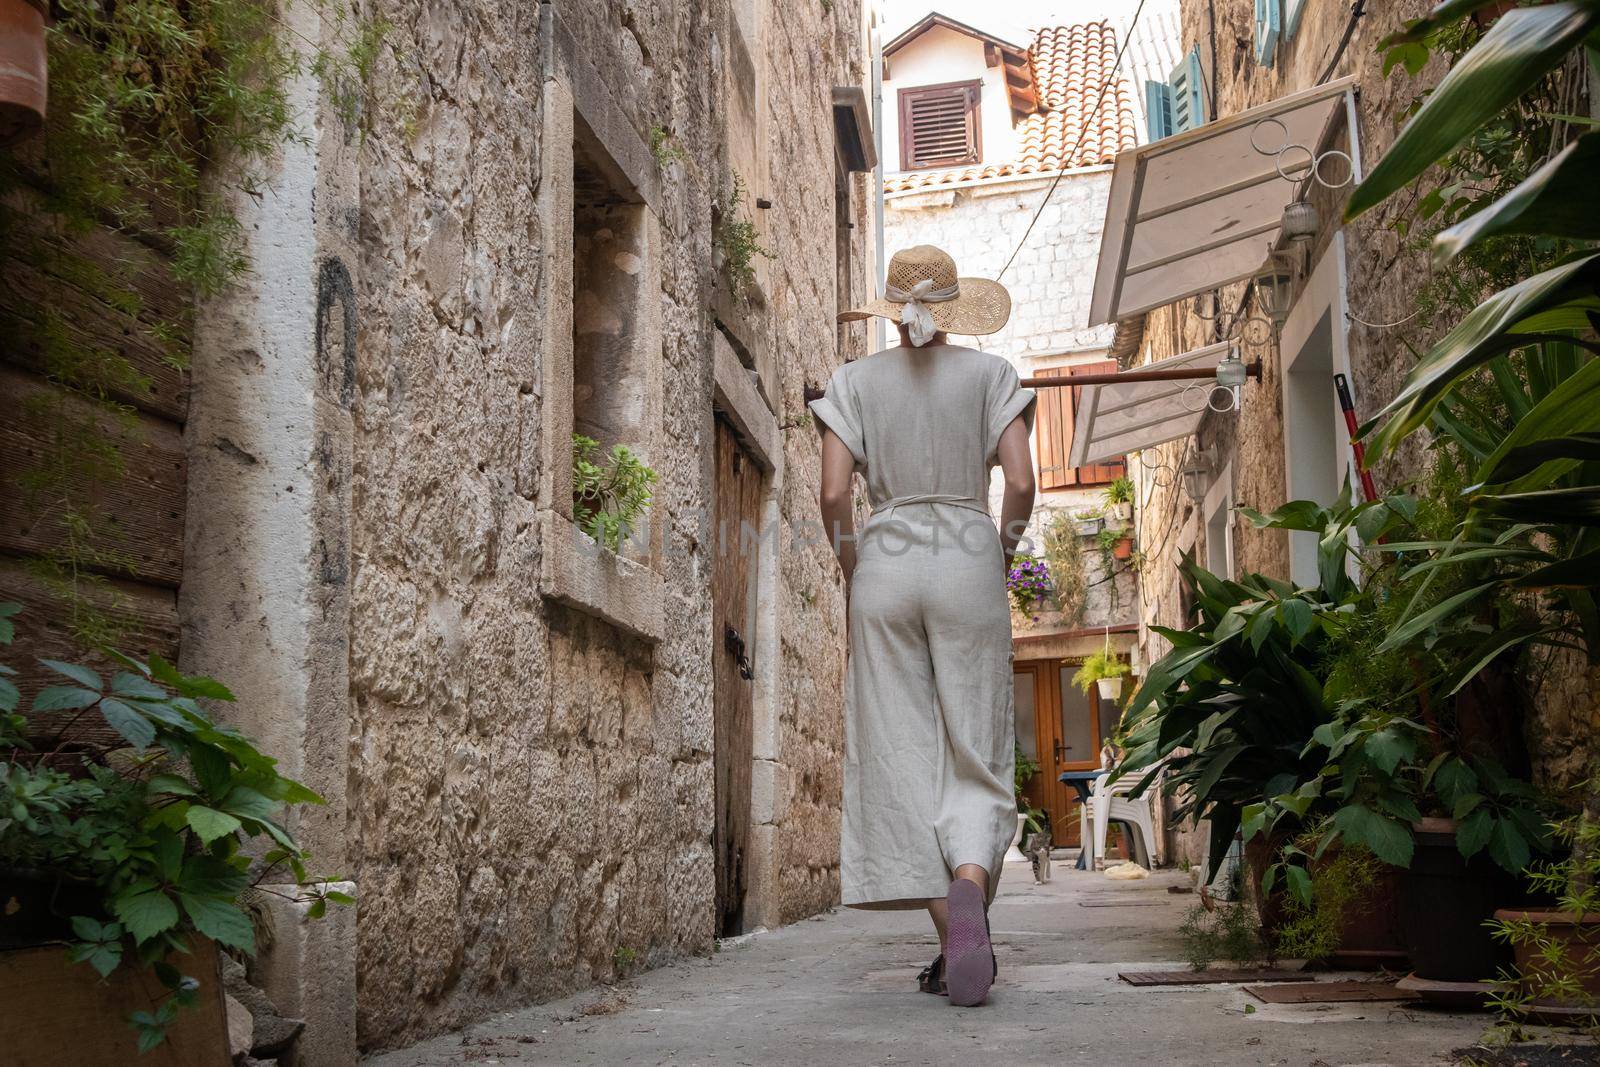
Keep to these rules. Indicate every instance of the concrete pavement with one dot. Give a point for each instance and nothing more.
(840, 989)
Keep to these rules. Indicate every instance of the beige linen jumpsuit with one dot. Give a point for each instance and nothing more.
(928, 692)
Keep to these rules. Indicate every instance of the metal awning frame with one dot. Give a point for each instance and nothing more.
(1178, 377)
(1128, 179)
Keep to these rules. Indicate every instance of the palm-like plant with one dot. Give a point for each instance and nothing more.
(1232, 707)
(1533, 518)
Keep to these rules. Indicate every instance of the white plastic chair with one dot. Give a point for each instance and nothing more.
(1111, 803)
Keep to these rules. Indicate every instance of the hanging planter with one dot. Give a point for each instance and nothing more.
(1110, 688)
(23, 71)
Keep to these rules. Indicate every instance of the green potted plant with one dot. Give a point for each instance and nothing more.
(1104, 670)
(1512, 385)
(1557, 949)
(135, 851)
(1119, 498)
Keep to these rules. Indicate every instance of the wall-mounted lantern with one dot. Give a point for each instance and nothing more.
(1275, 288)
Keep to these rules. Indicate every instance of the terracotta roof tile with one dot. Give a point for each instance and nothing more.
(1070, 66)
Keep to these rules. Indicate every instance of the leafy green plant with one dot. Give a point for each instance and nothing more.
(1230, 710)
(1101, 663)
(737, 240)
(145, 97)
(1323, 889)
(1119, 491)
(1554, 971)
(1036, 820)
(1221, 930)
(1392, 746)
(609, 494)
(1533, 514)
(664, 147)
(169, 828)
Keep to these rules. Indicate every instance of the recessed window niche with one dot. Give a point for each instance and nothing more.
(616, 334)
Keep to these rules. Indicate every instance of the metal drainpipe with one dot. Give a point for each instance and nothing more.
(875, 283)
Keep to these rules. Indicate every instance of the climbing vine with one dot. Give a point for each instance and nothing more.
(161, 111)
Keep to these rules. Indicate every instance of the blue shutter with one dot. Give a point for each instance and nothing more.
(1158, 109)
(1269, 27)
(1292, 10)
(1188, 93)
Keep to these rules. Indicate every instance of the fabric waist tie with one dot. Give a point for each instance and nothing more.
(971, 503)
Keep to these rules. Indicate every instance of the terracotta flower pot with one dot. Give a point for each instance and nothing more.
(1369, 932)
(58, 1012)
(1123, 549)
(1580, 938)
(23, 72)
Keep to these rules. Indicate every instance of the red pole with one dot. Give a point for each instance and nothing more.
(1348, 407)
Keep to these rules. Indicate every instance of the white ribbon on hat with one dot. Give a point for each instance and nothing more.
(914, 313)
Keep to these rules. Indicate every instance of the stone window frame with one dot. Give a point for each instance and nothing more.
(574, 570)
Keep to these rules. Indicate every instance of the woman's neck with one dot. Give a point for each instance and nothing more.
(939, 338)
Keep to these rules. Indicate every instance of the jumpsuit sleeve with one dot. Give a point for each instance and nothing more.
(1007, 399)
(836, 410)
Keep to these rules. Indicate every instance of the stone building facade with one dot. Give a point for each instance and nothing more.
(547, 764)
(1352, 304)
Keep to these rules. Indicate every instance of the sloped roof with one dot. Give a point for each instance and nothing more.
(1071, 64)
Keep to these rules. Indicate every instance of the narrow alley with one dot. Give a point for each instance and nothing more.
(840, 989)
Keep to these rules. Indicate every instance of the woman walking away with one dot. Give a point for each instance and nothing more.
(928, 803)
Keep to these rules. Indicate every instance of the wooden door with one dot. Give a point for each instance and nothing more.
(737, 507)
(1060, 728)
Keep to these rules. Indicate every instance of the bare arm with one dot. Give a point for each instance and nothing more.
(838, 516)
(1016, 463)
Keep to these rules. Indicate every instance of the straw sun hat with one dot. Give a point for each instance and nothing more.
(922, 291)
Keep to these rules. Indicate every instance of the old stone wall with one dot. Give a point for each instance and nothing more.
(531, 785)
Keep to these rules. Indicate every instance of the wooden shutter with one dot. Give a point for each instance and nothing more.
(939, 125)
(1269, 25)
(1158, 109)
(1053, 422)
(1188, 93)
(1052, 425)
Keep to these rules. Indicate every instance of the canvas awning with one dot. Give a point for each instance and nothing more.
(1202, 208)
(1123, 417)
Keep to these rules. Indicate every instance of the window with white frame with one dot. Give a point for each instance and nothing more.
(1217, 513)
(1315, 443)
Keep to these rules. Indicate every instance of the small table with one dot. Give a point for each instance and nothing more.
(1082, 783)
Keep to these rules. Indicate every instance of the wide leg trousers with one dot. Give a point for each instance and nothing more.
(929, 734)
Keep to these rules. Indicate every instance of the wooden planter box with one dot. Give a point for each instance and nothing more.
(59, 1012)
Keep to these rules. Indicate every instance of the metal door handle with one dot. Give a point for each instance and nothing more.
(1060, 752)
(735, 644)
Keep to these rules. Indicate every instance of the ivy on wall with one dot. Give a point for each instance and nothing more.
(161, 112)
